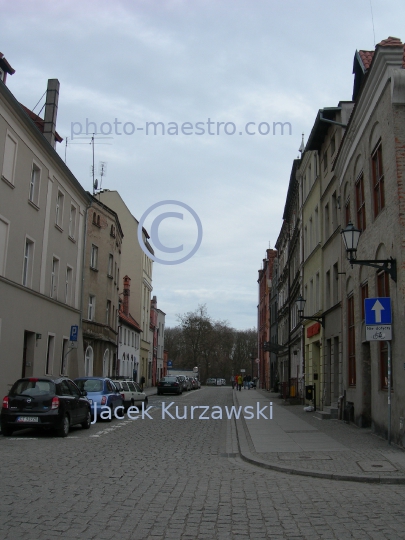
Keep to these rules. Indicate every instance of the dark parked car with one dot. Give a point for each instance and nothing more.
(45, 402)
(101, 393)
(169, 385)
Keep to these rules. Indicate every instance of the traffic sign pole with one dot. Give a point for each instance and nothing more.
(389, 391)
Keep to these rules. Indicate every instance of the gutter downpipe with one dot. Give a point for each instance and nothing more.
(322, 119)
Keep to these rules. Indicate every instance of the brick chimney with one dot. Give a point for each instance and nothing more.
(126, 295)
(51, 110)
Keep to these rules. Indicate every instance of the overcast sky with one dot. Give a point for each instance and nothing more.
(239, 61)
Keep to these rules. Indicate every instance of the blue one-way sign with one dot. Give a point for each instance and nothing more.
(73, 333)
(377, 310)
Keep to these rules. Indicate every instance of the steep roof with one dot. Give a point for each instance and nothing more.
(38, 121)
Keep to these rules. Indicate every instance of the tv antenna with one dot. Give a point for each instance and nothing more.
(93, 141)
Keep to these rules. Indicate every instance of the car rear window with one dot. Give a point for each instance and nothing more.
(33, 388)
(90, 385)
(131, 386)
(125, 386)
(168, 379)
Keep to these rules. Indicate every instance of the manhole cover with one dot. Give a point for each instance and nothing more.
(376, 466)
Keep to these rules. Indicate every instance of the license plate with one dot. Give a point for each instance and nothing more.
(27, 419)
(166, 384)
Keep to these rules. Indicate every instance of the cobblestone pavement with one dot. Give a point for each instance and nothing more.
(176, 479)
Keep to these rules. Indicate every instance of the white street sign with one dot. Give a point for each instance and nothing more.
(381, 332)
(73, 344)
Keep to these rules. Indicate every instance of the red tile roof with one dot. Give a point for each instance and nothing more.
(367, 56)
(5, 65)
(129, 320)
(38, 121)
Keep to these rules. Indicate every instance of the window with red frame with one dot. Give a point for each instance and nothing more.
(360, 203)
(383, 290)
(351, 341)
(377, 179)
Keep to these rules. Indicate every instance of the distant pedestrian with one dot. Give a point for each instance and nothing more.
(233, 382)
(249, 381)
(244, 382)
(240, 381)
(142, 381)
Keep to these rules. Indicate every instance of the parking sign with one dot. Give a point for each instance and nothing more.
(73, 333)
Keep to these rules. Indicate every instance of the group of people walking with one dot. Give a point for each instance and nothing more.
(246, 381)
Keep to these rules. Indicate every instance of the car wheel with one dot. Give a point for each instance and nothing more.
(146, 402)
(7, 431)
(111, 415)
(87, 423)
(63, 431)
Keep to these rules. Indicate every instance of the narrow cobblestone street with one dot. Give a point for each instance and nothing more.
(171, 479)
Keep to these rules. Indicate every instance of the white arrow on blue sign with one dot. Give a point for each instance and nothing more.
(377, 310)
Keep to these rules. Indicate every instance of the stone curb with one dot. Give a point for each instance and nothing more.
(247, 456)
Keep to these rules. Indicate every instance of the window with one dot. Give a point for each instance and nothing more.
(49, 355)
(3, 246)
(351, 341)
(327, 290)
(325, 161)
(34, 184)
(334, 211)
(92, 306)
(59, 209)
(93, 257)
(68, 285)
(363, 295)
(107, 312)
(332, 145)
(383, 284)
(10, 155)
(112, 231)
(88, 362)
(378, 179)
(360, 203)
(317, 300)
(54, 278)
(335, 284)
(327, 222)
(347, 211)
(110, 265)
(27, 264)
(72, 221)
(64, 357)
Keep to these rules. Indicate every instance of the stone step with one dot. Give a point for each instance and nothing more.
(322, 415)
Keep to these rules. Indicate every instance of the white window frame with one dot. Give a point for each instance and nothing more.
(14, 139)
(93, 256)
(91, 307)
(110, 264)
(88, 362)
(4, 247)
(35, 182)
(28, 262)
(53, 293)
(72, 221)
(68, 285)
(60, 198)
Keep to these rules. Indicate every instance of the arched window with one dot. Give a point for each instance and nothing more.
(88, 362)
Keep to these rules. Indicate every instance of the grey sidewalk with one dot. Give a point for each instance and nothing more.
(296, 442)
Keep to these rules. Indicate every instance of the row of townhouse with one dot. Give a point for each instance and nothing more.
(351, 173)
(65, 261)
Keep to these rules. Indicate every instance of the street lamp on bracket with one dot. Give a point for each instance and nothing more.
(301, 305)
(351, 237)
